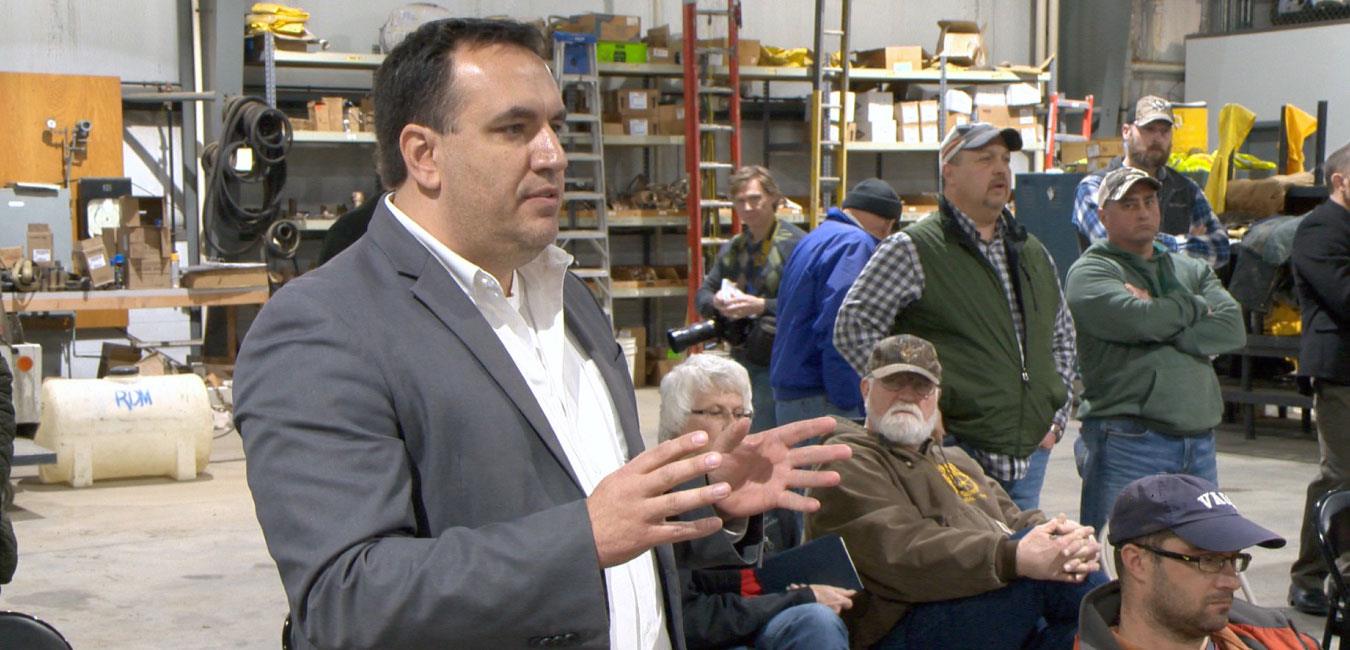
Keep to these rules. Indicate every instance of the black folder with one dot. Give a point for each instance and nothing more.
(821, 561)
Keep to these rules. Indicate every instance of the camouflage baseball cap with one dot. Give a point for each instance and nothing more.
(904, 353)
(1118, 182)
(1151, 108)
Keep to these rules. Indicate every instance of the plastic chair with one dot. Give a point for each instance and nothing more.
(18, 630)
(1328, 507)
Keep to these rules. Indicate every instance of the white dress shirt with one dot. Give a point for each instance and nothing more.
(572, 393)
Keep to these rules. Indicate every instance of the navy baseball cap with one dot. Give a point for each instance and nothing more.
(1192, 508)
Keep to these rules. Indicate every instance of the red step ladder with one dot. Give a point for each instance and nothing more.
(1053, 136)
(702, 74)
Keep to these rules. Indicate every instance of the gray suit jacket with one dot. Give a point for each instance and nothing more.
(409, 486)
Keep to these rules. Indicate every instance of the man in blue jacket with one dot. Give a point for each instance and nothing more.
(809, 377)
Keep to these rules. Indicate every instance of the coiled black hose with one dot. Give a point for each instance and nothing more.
(231, 227)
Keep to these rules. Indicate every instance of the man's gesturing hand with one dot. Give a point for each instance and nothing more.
(632, 509)
(761, 468)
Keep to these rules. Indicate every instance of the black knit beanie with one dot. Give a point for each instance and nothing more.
(876, 196)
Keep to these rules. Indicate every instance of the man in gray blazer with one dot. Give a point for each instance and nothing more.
(441, 435)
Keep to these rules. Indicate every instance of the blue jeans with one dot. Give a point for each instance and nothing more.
(761, 398)
(1116, 451)
(794, 410)
(1025, 491)
(804, 627)
(784, 528)
(1027, 613)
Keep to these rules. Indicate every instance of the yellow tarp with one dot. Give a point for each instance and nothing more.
(276, 18)
(1298, 125)
(1235, 124)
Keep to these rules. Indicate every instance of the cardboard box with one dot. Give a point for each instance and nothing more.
(960, 40)
(637, 126)
(959, 101)
(928, 133)
(10, 256)
(669, 119)
(660, 54)
(896, 59)
(92, 261)
(40, 244)
(875, 105)
(1023, 94)
(658, 37)
(995, 115)
(953, 119)
(620, 52)
(301, 124)
(148, 273)
(611, 128)
(327, 113)
(659, 364)
(991, 96)
(907, 113)
(1097, 152)
(910, 133)
(633, 102)
(928, 111)
(1020, 116)
(747, 51)
(879, 131)
(605, 27)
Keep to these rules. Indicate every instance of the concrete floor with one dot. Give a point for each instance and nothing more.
(154, 563)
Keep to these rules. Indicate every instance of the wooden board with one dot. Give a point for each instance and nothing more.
(78, 301)
(30, 154)
(28, 100)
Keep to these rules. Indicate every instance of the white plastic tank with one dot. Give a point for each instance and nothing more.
(124, 426)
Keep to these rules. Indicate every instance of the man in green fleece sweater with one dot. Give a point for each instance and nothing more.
(1148, 321)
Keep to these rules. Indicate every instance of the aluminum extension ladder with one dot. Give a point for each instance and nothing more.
(584, 219)
(829, 149)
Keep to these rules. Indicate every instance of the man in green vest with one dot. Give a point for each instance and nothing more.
(971, 280)
(1148, 321)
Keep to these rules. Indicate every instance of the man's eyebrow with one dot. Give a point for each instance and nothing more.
(516, 113)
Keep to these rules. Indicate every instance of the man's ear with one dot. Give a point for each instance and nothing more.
(420, 146)
(865, 386)
(1132, 559)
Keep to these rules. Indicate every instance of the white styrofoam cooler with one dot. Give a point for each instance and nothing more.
(122, 427)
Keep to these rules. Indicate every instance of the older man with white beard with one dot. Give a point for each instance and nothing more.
(946, 558)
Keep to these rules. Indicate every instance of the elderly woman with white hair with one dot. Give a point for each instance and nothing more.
(711, 393)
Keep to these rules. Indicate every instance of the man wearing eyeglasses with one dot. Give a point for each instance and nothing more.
(1178, 549)
(1148, 322)
(946, 558)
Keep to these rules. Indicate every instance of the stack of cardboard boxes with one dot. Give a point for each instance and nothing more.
(145, 246)
(1012, 106)
(876, 117)
(637, 111)
(337, 114)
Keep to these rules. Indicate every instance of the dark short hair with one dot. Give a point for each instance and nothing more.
(414, 85)
(1155, 539)
(1338, 162)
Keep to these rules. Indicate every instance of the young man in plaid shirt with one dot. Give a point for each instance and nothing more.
(971, 280)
